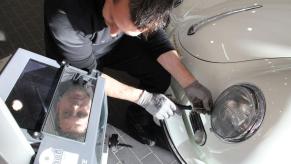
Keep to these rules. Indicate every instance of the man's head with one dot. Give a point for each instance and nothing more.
(73, 109)
(135, 16)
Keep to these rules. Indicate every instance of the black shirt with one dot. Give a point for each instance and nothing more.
(75, 31)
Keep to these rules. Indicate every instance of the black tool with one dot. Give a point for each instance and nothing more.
(114, 142)
(183, 107)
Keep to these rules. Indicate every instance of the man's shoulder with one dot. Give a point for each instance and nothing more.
(83, 15)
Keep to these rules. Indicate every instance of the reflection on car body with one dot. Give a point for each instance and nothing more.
(244, 59)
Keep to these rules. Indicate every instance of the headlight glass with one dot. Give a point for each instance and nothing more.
(238, 113)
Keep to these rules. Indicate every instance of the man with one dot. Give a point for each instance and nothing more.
(124, 35)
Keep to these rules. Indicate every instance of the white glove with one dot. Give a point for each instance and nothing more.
(157, 105)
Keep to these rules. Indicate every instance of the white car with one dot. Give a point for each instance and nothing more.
(241, 51)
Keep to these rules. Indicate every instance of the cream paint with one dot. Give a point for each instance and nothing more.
(246, 35)
(273, 82)
(272, 76)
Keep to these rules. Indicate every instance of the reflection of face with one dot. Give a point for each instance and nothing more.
(117, 18)
(73, 110)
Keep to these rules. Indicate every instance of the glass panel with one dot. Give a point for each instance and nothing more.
(31, 95)
(71, 105)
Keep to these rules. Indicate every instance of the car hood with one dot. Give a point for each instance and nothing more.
(260, 32)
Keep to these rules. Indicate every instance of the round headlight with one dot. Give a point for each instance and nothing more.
(238, 113)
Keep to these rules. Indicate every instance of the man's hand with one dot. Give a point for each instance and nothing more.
(157, 105)
(200, 97)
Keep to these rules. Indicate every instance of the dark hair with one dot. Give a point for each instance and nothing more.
(149, 14)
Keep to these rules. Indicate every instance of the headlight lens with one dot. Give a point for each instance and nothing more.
(238, 113)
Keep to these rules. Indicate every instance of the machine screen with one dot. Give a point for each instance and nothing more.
(31, 95)
(71, 105)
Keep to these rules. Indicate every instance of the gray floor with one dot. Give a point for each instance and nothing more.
(139, 154)
(21, 26)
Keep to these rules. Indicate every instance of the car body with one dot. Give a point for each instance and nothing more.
(230, 46)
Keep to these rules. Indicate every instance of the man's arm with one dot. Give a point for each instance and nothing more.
(157, 105)
(198, 95)
(171, 62)
(116, 89)
(65, 40)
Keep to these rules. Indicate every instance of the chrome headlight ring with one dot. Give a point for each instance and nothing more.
(238, 113)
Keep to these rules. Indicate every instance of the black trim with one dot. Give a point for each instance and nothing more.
(197, 125)
(177, 3)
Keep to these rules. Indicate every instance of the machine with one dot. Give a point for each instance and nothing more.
(51, 113)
